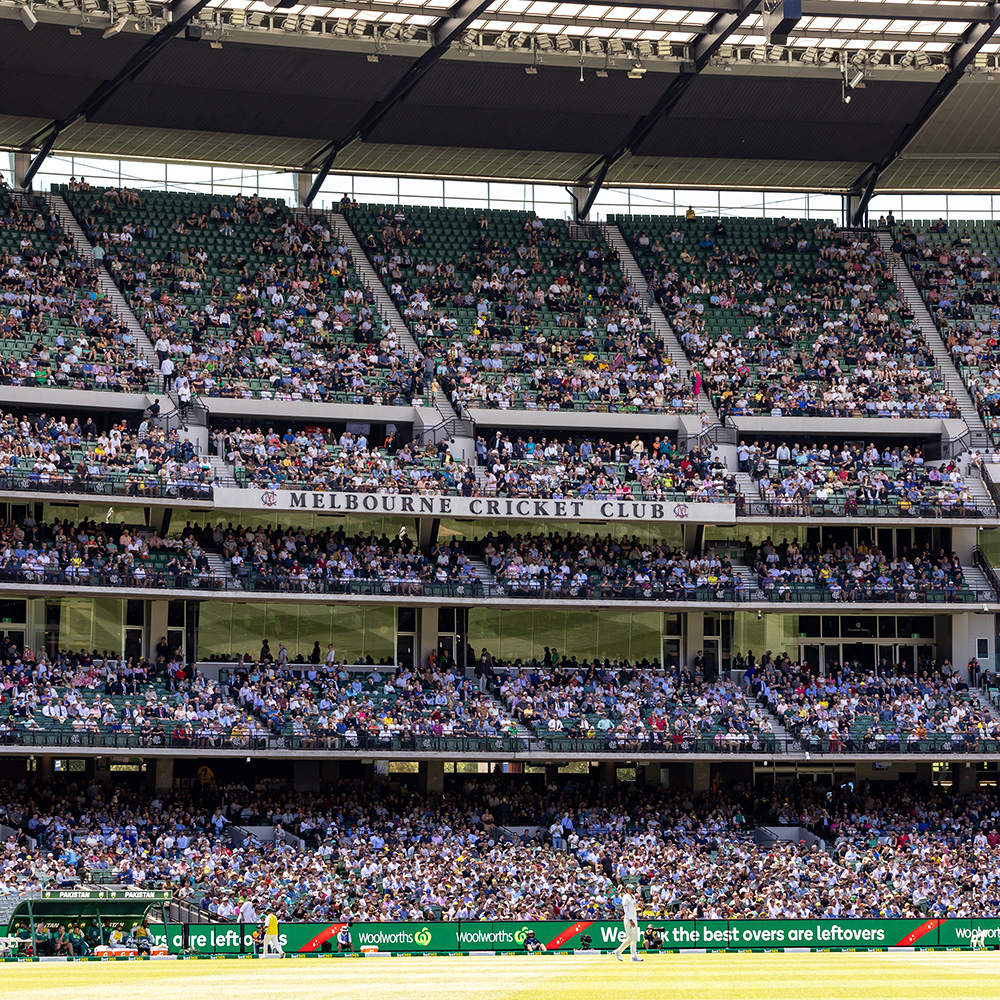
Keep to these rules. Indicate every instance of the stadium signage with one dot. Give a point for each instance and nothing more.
(471, 507)
(676, 935)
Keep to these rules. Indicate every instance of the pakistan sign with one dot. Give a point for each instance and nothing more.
(489, 507)
(677, 935)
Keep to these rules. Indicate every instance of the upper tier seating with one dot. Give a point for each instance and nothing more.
(517, 314)
(788, 318)
(247, 302)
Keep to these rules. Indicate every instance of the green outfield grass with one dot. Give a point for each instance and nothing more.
(909, 976)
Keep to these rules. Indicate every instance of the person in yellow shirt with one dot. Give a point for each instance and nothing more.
(271, 942)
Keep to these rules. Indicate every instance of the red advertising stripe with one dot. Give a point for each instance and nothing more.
(914, 936)
(560, 939)
(328, 932)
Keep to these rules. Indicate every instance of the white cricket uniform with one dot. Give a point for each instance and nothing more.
(631, 923)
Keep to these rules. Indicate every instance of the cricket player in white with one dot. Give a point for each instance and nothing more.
(631, 921)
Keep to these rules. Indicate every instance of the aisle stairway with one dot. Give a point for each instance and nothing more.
(386, 306)
(663, 327)
(979, 436)
(122, 309)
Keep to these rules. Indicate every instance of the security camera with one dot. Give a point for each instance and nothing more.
(760, 614)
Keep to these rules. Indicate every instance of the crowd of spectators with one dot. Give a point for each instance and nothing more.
(598, 469)
(540, 325)
(381, 852)
(301, 560)
(62, 553)
(853, 708)
(816, 332)
(631, 706)
(816, 479)
(589, 566)
(319, 458)
(278, 314)
(862, 573)
(57, 328)
(957, 275)
(44, 452)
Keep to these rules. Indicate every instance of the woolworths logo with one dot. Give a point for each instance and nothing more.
(499, 936)
(392, 937)
(423, 937)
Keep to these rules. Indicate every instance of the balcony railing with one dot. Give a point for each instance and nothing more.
(65, 737)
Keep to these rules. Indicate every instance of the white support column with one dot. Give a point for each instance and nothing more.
(427, 628)
(21, 163)
(302, 184)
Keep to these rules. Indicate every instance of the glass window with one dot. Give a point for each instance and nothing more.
(467, 194)
(656, 201)
(779, 203)
(970, 206)
(376, 189)
(431, 192)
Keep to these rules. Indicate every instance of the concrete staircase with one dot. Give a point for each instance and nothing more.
(485, 576)
(976, 579)
(663, 327)
(386, 306)
(122, 309)
(979, 436)
(747, 485)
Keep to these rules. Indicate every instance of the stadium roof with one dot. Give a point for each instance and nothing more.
(672, 96)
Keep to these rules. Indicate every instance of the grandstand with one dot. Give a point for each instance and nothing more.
(456, 461)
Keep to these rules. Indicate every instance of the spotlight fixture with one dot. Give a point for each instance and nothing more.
(255, 20)
(637, 72)
(828, 55)
(543, 42)
(664, 49)
(116, 27)
(140, 8)
(291, 23)
(594, 46)
(238, 18)
(810, 55)
(519, 39)
(981, 61)
(307, 23)
(644, 49)
(725, 52)
(563, 43)
(358, 28)
(27, 16)
(616, 47)
(406, 32)
(502, 40)
(392, 32)
(921, 59)
(759, 53)
(775, 53)
(341, 25)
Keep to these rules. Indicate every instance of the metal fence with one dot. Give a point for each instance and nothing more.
(65, 737)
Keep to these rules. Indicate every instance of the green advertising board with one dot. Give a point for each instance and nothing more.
(677, 935)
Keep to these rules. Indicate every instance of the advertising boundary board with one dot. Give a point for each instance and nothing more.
(473, 937)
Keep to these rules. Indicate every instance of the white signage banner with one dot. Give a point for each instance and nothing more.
(475, 507)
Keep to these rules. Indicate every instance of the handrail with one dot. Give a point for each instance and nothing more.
(649, 743)
(841, 508)
(991, 486)
(979, 558)
(476, 590)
